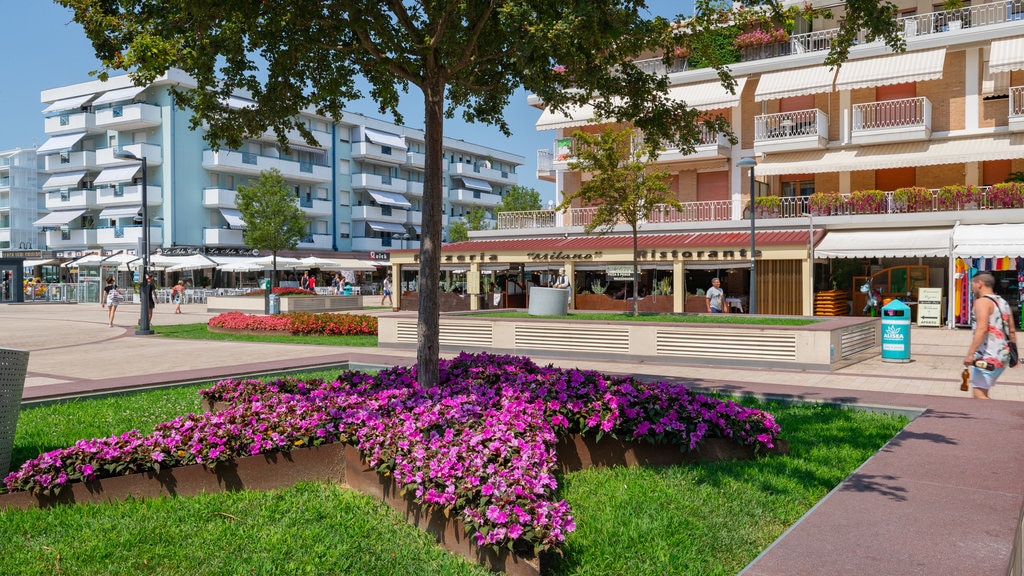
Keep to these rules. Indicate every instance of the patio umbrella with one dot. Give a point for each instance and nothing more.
(124, 261)
(193, 262)
(240, 267)
(335, 264)
(87, 260)
(282, 261)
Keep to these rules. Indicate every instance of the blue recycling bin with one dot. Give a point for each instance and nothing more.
(896, 332)
(275, 304)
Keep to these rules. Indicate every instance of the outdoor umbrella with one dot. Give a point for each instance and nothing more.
(193, 262)
(123, 260)
(335, 264)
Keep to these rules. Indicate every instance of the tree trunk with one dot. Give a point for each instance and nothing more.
(636, 277)
(428, 324)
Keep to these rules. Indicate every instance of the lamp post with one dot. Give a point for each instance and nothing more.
(144, 328)
(751, 163)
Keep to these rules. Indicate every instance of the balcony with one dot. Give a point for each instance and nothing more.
(71, 238)
(323, 139)
(379, 182)
(64, 161)
(135, 116)
(415, 159)
(316, 206)
(252, 164)
(905, 120)
(527, 220)
(482, 172)
(222, 237)
(128, 194)
(70, 122)
(376, 152)
(152, 152)
(473, 197)
(380, 213)
(414, 188)
(1016, 120)
(371, 244)
(127, 236)
(317, 242)
(77, 199)
(711, 145)
(414, 219)
(218, 198)
(545, 165)
(791, 131)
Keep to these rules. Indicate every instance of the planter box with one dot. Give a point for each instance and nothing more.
(254, 304)
(13, 365)
(603, 302)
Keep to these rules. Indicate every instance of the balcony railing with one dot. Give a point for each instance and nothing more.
(1016, 119)
(907, 112)
(789, 124)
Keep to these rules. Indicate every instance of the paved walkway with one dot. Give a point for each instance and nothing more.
(944, 497)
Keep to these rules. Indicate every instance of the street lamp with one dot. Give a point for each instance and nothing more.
(144, 328)
(750, 163)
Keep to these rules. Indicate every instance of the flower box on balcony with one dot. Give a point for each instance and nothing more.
(868, 201)
(958, 196)
(913, 199)
(825, 203)
(1006, 195)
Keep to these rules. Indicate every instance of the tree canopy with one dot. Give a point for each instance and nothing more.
(519, 199)
(273, 220)
(469, 56)
(475, 219)
(624, 188)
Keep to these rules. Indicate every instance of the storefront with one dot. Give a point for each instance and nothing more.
(994, 248)
(675, 269)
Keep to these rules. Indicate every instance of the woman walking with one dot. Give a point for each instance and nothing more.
(111, 298)
(178, 295)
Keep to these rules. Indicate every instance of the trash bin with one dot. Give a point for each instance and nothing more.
(896, 332)
(13, 365)
(275, 304)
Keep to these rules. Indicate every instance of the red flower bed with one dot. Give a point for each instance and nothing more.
(298, 323)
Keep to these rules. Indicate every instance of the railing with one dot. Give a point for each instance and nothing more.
(1017, 101)
(527, 219)
(545, 161)
(787, 124)
(55, 292)
(892, 114)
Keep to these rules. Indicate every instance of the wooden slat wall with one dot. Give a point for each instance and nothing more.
(780, 288)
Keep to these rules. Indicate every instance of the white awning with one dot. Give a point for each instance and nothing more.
(117, 174)
(385, 139)
(390, 199)
(119, 95)
(236, 103)
(988, 240)
(475, 184)
(60, 143)
(707, 95)
(234, 217)
(795, 82)
(895, 69)
(1007, 55)
(882, 156)
(386, 227)
(68, 104)
(116, 212)
(58, 218)
(34, 263)
(576, 116)
(908, 243)
(64, 179)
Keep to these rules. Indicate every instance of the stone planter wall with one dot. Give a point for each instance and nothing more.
(13, 365)
(254, 304)
(603, 302)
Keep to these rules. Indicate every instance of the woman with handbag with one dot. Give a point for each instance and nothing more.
(111, 298)
(989, 352)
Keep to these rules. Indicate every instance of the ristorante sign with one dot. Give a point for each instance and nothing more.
(561, 256)
(730, 254)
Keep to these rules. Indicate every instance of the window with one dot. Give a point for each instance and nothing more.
(65, 119)
(385, 150)
(385, 210)
(65, 157)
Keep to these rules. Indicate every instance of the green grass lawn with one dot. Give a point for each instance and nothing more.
(199, 332)
(651, 317)
(695, 519)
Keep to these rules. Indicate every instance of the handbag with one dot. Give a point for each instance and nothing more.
(1011, 345)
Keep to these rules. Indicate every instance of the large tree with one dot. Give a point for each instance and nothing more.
(273, 220)
(624, 188)
(291, 55)
(519, 199)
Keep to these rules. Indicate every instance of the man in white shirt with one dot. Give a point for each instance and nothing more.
(715, 297)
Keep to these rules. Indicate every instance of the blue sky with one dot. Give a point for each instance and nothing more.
(46, 49)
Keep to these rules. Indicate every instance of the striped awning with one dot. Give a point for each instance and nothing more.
(882, 156)
(795, 82)
(988, 240)
(118, 174)
(385, 139)
(575, 116)
(58, 218)
(1007, 55)
(895, 69)
(390, 199)
(476, 184)
(64, 179)
(60, 143)
(903, 243)
(122, 95)
(707, 95)
(68, 104)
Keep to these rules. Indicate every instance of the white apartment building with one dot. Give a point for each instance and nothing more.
(20, 201)
(360, 184)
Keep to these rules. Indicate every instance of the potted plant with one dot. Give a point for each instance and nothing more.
(1006, 195)
(913, 199)
(958, 196)
(768, 206)
(825, 203)
(868, 201)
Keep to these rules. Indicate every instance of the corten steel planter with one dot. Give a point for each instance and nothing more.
(13, 365)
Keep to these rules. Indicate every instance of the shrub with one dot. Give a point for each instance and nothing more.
(760, 38)
(303, 323)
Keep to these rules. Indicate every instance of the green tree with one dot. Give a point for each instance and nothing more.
(469, 56)
(519, 199)
(273, 221)
(624, 189)
(475, 219)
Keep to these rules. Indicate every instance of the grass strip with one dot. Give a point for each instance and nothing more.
(696, 519)
(199, 332)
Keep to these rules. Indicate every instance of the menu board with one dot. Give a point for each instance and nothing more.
(929, 306)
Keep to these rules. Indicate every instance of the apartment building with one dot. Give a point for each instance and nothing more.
(360, 184)
(899, 160)
(20, 201)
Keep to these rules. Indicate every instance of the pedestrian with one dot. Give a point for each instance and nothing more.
(993, 327)
(386, 292)
(336, 284)
(715, 297)
(562, 283)
(110, 299)
(178, 295)
(304, 281)
(148, 291)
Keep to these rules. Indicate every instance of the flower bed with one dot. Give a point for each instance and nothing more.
(480, 446)
(297, 323)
